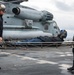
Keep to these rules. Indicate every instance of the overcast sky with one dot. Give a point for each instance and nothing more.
(63, 11)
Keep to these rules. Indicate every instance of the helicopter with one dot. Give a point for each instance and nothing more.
(22, 22)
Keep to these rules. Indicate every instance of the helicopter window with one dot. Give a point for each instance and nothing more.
(7, 16)
(5, 22)
(55, 27)
(46, 26)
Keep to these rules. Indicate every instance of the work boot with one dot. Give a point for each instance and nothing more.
(70, 69)
(0, 67)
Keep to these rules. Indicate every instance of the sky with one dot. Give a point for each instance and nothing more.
(62, 10)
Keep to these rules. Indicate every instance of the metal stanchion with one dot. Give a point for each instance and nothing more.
(15, 44)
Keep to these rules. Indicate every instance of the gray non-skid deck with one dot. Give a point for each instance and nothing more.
(36, 61)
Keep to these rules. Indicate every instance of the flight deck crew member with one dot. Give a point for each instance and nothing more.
(2, 10)
(71, 69)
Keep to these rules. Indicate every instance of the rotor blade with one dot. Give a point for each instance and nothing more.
(14, 0)
(11, 1)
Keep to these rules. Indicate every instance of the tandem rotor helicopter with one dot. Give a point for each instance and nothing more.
(22, 22)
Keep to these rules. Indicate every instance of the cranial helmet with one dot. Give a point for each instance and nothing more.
(2, 7)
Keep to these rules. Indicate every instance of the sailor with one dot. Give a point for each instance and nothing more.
(71, 69)
(2, 10)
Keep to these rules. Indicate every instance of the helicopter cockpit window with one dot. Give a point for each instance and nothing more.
(55, 25)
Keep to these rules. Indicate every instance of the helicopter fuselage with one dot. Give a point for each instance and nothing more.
(21, 22)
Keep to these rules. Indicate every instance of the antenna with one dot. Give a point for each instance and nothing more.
(12, 1)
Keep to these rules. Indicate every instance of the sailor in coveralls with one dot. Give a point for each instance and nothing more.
(2, 10)
(71, 69)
